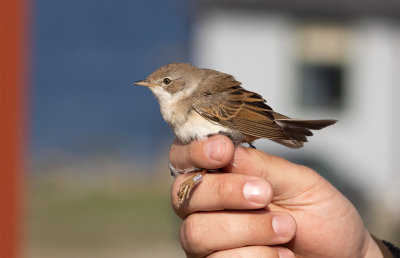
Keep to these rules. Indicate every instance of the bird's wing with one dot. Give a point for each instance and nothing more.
(219, 106)
(240, 110)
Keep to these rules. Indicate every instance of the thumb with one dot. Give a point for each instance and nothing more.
(287, 179)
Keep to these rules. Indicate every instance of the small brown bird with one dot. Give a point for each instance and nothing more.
(198, 102)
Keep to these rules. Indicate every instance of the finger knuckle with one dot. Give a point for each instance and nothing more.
(224, 189)
(172, 152)
(195, 152)
(191, 234)
(303, 169)
(174, 190)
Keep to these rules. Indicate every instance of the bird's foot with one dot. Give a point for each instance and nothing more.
(186, 187)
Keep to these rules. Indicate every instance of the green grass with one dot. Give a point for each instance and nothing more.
(77, 216)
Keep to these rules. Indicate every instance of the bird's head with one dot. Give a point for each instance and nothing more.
(172, 81)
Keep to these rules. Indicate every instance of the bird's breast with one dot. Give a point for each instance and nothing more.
(173, 115)
(197, 127)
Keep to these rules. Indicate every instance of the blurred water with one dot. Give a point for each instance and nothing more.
(93, 133)
(86, 55)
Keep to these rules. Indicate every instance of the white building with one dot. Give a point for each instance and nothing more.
(335, 59)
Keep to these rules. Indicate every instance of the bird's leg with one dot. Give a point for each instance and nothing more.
(187, 186)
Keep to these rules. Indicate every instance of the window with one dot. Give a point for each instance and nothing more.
(321, 85)
(322, 66)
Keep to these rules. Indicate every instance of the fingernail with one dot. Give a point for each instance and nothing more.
(256, 191)
(283, 225)
(285, 253)
(215, 149)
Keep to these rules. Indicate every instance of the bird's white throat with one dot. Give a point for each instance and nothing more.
(170, 104)
(186, 123)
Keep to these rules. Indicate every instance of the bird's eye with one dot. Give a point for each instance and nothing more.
(166, 81)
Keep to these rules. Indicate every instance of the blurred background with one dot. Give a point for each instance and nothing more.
(98, 182)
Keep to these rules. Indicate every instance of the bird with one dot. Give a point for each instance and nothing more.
(200, 102)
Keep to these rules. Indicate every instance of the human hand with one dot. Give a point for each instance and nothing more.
(263, 206)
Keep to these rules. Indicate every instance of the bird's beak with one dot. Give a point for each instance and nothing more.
(144, 83)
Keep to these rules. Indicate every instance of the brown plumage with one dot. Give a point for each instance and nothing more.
(230, 105)
(197, 103)
(182, 89)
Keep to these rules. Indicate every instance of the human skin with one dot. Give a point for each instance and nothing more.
(263, 206)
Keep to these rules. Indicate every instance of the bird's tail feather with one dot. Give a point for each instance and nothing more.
(298, 130)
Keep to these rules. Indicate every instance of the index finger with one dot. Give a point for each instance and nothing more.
(286, 178)
(215, 152)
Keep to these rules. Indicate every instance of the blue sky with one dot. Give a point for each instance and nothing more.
(86, 55)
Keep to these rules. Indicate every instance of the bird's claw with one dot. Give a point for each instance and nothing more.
(186, 187)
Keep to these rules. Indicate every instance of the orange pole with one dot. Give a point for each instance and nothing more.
(12, 81)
